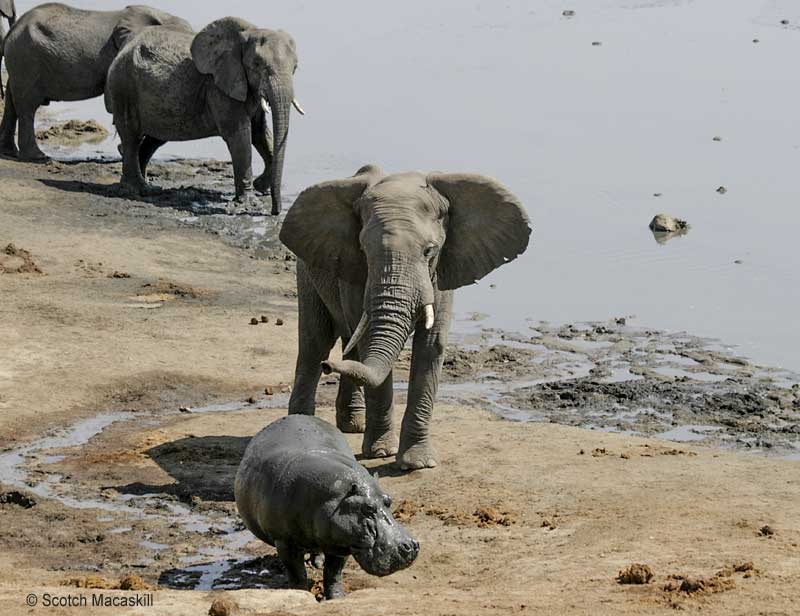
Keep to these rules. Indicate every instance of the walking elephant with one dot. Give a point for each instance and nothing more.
(175, 86)
(378, 258)
(9, 11)
(59, 53)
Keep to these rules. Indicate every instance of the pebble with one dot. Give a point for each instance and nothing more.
(756, 41)
(251, 400)
(722, 190)
(185, 409)
(568, 13)
(717, 139)
(657, 194)
(278, 321)
(254, 321)
(785, 22)
(738, 261)
(268, 390)
(264, 319)
(596, 43)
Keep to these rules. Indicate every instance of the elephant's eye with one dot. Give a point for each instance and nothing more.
(430, 251)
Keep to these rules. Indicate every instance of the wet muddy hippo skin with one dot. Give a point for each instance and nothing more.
(378, 259)
(176, 86)
(58, 53)
(300, 489)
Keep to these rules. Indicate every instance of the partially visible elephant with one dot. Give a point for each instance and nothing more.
(59, 53)
(168, 85)
(9, 11)
(378, 259)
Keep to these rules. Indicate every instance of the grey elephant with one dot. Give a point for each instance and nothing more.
(59, 53)
(378, 259)
(175, 86)
(9, 11)
(300, 489)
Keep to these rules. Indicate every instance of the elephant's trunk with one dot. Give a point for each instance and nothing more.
(280, 95)
(395, 301)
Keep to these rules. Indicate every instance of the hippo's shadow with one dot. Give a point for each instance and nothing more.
(203, 467)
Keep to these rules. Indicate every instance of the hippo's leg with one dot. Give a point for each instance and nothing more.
(380, 439)
(292, 558)
(332, 576)
(350, 408)
(316, 338)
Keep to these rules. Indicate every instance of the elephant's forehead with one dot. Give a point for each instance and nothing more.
(403, 190)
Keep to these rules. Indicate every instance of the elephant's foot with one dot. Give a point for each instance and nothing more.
(247, 203)
(9, 150)
(261, 184)
(379, 445)
(417, 456)
(134, 188)
(351, 421)
(33, 155)
(334, 591)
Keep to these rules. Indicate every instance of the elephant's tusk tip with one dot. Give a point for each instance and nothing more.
(298, 107)
(264, 105)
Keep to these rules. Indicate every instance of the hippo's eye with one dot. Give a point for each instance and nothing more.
(369, 509)
(387, 500)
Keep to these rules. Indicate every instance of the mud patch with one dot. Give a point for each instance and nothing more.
(73, 132)
(127, 582)
(15, 260)
(482, 517)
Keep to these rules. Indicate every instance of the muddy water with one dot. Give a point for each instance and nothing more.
(586, 134)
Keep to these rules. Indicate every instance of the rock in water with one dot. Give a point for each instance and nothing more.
(664, 223)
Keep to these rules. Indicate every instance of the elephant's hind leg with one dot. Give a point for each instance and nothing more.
(146, 150)
(316, 337)
(28, 148)
(8, 127)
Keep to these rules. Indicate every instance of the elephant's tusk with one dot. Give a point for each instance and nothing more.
(362, 326)
(264, 105)
(298, 107)
(429, 316)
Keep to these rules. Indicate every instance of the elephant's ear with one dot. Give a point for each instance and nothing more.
(487, 227)
(217, 51)
(322, 227)
(8, 10)
(137, 18)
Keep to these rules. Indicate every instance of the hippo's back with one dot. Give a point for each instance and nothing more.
(289, 470)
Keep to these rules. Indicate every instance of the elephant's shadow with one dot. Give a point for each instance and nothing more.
(185, 198)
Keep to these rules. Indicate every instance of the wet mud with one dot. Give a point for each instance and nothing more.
(73, 132)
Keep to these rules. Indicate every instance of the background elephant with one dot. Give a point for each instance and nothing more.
(9, 11)
(59, 53)
(378, 259)
(174, 86)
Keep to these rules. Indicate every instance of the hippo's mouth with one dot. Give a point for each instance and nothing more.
(382, 560)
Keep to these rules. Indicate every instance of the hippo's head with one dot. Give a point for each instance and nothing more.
(363, 521)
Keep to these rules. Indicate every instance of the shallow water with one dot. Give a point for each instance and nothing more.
(585, 134)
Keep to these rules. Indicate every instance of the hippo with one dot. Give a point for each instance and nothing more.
(300, 489)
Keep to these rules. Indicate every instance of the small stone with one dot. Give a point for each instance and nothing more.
(785, 22)
(254, 321)
(251, 400)
(738, 261)
(492, 286)
(722, 190)
(766, 531)
(264, 319)
(223, 606)
(657, 194)
(664, 223)
(636, 573)
(596, 43)
(268, 390)
(717, 138)
(756, 41)
(568, 13)
(620, 320)
(279, 322)
(185, 409)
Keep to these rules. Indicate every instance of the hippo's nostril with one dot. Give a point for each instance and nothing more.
(410, 546)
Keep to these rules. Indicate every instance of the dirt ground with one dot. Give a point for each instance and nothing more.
(131, 378)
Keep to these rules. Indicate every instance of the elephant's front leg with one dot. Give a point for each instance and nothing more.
(239, 142)
(263, 143)
(416, 450)
(380, 440)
